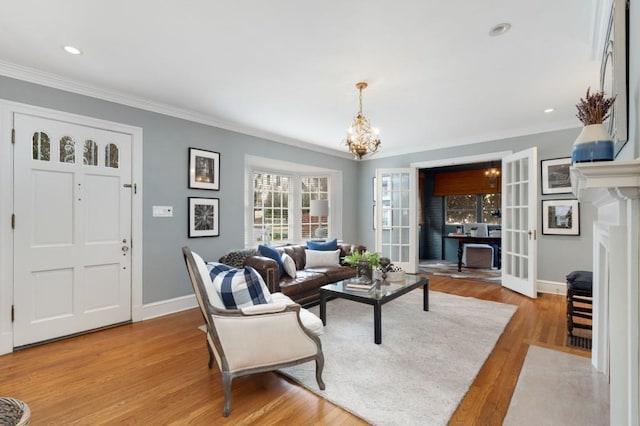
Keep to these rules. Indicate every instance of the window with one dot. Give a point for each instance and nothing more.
(40, 146)
(461, 208)
(271, 200)
(484, 208)
(67, 150)
(313, 188)
(278, 198)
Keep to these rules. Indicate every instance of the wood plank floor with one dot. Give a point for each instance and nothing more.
(155, 373)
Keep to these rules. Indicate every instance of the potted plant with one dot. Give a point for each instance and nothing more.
(593, 143)
(364, 261)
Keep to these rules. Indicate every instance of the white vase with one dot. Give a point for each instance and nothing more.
(593, 144)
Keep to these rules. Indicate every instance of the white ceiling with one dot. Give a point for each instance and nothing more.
(286, 69)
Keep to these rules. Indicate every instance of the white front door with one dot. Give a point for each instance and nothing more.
(396, 238)
(519, 219)
(72, 266)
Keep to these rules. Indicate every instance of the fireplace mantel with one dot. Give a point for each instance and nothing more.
(594, 181)
(613, 187)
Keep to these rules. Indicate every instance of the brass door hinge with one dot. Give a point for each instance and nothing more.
(13, 313)
(13, 136)
(13, 221)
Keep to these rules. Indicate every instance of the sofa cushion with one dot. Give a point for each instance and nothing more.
(238, 288)
(304, 282)
(289, 265)
(330, 245)
(271, 252)
(322, 258)
(335, 273)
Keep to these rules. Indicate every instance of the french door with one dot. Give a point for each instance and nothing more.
(519, 220)
(72, 204)
(396, 238)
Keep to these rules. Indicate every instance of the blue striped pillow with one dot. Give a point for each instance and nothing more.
(238, 288)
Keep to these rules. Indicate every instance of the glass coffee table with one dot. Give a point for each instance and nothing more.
(386, 293)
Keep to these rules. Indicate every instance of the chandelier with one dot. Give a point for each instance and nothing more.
(361, 138)
(492, 175)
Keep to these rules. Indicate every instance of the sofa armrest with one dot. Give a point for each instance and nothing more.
(268, 270)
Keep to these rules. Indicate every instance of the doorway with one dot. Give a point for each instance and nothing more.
(75, 205)
(453, 195)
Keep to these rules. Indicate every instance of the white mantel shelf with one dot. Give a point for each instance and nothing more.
(621, 179)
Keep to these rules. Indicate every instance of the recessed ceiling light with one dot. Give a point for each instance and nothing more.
(499, 29)
(549, 110)
(72, 50)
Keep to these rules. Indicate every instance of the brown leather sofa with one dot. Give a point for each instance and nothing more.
(305, 287)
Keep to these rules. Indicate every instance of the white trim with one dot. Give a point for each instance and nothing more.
(469, 159)
(7, 109)
(6, 241)
(58, 82)
(552, 287)
(169, 306)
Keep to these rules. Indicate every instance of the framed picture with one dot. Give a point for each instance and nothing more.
(560, 217)
(204, 169)
(204, 217)
(555, 176)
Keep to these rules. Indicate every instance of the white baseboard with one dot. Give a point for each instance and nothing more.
(170, 306)
(552, 287)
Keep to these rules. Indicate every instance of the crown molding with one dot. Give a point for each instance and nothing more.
(55, 81)
(487, 137)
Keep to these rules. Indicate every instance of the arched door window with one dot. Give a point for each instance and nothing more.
(41, 147)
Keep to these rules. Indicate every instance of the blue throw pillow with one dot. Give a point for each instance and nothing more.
(272, 253)
(326, 246)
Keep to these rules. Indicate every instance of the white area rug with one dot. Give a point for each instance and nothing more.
(558, 388)
(422, 369)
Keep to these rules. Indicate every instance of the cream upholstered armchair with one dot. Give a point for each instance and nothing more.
(257, 338)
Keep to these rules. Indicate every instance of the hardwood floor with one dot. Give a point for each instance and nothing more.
(155, 373)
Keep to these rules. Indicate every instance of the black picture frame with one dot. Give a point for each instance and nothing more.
(204, 169)
(561, 217)
(556, 178)
(204, 217)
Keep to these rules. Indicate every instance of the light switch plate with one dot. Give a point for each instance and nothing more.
(162, 211)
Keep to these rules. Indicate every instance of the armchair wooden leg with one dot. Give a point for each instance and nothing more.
(226, 385)
(211, 357)
(319, 368)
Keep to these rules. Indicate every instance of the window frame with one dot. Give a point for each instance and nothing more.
(295, 171)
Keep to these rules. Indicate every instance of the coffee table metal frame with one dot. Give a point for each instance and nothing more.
(391, 291)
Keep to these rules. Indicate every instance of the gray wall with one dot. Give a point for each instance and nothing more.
(166, 143)
(557, 255)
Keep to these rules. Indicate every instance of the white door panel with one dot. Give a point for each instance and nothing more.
(396, 238)
(519, 233)
(72, 267)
